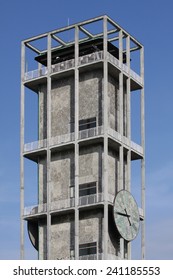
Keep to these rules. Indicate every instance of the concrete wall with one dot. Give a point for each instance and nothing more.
(90, 95)
(91, 228)
(90, 165)
(62, 175)
(90, 102)
(90, 161)
(62, 233)
(62, 106)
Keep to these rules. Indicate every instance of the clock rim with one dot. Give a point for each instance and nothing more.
(128, 240)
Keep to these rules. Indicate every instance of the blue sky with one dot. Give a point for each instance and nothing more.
(149, 21)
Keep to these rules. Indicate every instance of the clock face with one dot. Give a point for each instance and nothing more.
(126, 215)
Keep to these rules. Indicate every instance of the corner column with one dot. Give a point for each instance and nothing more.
(105, 121)
(143, 159)
(121, 126)
(128, 185)
(22, 130)
(76, 143)
(48, 147)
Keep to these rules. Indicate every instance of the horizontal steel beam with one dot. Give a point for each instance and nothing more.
(33, 48)
(59, 40)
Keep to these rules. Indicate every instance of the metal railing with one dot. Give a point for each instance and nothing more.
(62, 204)
(35, 74)
(117, 136)
(90, 199)
(113, 60)
(99, 256)
(35, 145)
(92, 257)
(89, 58)
(83, 60)
(124, 67)
(36, 209)
(83, 134)
(91, 132)
(67, 203)
(60, 139)
(63, 66)
(64, 138)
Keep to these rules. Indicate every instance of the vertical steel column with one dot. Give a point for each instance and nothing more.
(76, 143)
(128, 186)
(143, 159)
(48, 146)
(22, 130)
(105, 120)
(121, 149)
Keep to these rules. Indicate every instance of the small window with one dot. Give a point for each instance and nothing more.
(87, 189)
(87, 123)
(88, 249)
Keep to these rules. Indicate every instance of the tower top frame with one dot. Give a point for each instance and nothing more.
(83, 26)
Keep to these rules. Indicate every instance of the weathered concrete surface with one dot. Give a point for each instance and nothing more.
(90, 162)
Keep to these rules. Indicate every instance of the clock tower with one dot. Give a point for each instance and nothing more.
(85, 148)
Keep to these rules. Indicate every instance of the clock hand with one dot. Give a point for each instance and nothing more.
(128, 216)
(123, 214)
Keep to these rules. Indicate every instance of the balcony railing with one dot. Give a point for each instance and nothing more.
(117, 136)
(63, 66)
(92, 257)
(35, 145)
(90, 199)
(62, 204)
(89, 58)
(99, 257)
(60, 139)
(91, 132)
(83, 60)
(36, 209)
(55, 205)
(124, 67)
(35, 74)
(83, 134)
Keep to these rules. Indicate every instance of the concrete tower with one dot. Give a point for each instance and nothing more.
(84, 148)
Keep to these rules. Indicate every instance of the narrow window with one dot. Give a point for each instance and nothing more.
(87, 189)
(87, 123)
(87, 249)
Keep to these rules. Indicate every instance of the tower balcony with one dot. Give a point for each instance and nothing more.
(58, 206)
(32, 78)
(68, 204)
(55, 206)
(32, 149)
(35, 210)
